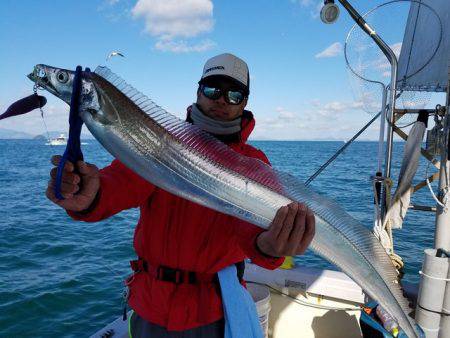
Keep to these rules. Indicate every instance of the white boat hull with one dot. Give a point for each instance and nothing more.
(289, 319)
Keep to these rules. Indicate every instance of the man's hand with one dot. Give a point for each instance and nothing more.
(78, 189)
(290, 232)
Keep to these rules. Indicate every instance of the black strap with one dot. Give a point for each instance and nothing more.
(177, 276)
(240, 267)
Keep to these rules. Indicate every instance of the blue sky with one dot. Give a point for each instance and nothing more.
(300, 87)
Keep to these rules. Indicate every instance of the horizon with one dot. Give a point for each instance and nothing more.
(85, 136)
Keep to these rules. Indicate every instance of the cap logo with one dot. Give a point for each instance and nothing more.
(214, 68)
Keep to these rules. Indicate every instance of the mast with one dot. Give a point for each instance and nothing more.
(442, 239)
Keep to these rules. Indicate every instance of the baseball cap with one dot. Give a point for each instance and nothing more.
(230, 66)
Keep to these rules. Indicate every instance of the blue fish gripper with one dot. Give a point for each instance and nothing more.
(73, 149)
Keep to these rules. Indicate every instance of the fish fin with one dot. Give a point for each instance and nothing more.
(194, 137)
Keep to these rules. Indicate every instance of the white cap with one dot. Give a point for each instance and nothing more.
(227, 65)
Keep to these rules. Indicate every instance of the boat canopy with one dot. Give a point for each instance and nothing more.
(424, 61)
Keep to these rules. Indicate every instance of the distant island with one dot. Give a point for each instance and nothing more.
(7, 134)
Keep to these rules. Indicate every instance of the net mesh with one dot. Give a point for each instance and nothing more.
(368, 68)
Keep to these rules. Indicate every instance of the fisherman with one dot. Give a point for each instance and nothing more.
(182, 245)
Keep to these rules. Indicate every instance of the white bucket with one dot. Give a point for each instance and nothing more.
(261, 297)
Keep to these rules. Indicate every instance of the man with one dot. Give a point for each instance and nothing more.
(181, 245)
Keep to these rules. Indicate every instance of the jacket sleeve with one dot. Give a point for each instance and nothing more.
(120, 189)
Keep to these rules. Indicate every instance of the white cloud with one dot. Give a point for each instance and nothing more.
(305, 3)
(382, 64)
(396, 48)
(331, 51)
(169, 20)
(282, 120)
(334, 108)
(314, 6)
(114, 10)
(182, 46)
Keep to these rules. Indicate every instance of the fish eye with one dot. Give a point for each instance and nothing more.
(62, 76)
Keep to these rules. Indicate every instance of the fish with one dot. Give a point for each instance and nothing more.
(181, 158)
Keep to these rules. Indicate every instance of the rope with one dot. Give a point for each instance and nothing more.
(433, 277)
(388, 183)
(317, 306)
(397, 260)
(442, 204)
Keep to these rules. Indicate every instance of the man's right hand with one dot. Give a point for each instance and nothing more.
(78, 188)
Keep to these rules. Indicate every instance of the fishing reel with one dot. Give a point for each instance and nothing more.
(436, 136)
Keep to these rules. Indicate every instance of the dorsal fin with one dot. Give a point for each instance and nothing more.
(195, 138)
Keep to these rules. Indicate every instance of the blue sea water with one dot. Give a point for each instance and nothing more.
(61, 278)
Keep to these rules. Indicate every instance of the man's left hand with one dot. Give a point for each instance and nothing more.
(290, 232)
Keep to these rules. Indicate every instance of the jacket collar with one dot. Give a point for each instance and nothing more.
(247, 126)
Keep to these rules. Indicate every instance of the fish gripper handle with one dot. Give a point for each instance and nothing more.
(73, 149)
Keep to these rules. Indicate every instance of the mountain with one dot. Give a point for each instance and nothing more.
(7, 134)
(13, 134)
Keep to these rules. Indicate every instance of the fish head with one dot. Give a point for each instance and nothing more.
(57, 81)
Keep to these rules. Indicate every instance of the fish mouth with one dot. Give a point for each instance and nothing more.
(40, 78)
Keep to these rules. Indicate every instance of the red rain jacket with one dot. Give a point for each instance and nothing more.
(177, 233)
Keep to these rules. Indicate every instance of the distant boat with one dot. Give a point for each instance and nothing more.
(61, 140)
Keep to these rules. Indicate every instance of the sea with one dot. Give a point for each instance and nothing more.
(61, 278)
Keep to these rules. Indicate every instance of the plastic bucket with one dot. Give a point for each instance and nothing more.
(261, 297)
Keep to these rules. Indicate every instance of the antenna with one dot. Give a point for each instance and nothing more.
(329, 12)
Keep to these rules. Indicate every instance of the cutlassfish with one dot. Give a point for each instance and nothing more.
(181, 158)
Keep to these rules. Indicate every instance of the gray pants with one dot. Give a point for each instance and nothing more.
(140, 328)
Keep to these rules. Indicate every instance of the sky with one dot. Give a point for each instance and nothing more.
(300, 86)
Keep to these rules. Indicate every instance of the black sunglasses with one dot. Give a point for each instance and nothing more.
(234, 97)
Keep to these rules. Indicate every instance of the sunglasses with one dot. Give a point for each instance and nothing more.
(233, 97)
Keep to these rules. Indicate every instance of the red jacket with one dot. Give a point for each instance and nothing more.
(177, 233)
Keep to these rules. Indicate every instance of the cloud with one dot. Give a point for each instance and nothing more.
(382, 64)
(396, 48)
(314, 6)
(282, 120)
(182, 46)
(115, 10)
(170, 20)
(305, 3)
(334, 108)
(331, 51)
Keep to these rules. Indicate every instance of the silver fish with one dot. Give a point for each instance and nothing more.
(182, 159)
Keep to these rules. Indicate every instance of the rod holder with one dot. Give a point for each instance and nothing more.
(433, 281)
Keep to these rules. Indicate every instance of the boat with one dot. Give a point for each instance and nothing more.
(313, 302)
(61, 140)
